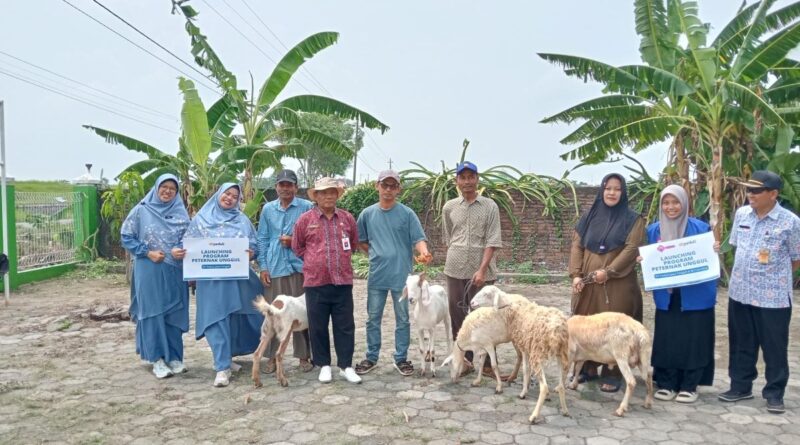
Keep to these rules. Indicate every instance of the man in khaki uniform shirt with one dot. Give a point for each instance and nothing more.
(471, 226)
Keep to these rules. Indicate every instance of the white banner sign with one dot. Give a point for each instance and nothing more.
(215, 258)
(680, 262)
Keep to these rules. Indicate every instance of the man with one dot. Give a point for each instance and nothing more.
(767, 241)
(324, 238)
(281, 269)
(471, 230)
(388, 231)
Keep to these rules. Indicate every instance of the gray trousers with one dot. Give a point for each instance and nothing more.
(289, 285)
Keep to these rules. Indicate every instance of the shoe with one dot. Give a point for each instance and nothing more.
(404, 368)
(365, 366)
(734, 396)
(270, 367)
(161, 370)
(325, 374)
(686, 397)
(665, 394)
(177, 367)
(222, 379)
(775, 405)
(350, 375)
(305, 365)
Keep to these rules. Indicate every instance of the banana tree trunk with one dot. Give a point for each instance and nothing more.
(717, 210)
(683, 170)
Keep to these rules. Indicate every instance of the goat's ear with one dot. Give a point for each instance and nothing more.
(497, 298)
(422, 277)
(405, 293)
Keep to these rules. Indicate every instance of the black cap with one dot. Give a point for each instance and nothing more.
(286, 176)
(764, 179)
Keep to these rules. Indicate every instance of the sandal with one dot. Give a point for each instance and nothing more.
(365, 366)
(665, 394)
(467, 368)
(305, 365)
(584, 377)
(686, 397)
(270, 366)
(610, 385)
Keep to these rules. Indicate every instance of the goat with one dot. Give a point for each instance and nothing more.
(284, 316)
(612, 338)
(539, 332)
(430, 309)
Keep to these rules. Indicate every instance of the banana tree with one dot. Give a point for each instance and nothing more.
(720, 105)
(264, 118)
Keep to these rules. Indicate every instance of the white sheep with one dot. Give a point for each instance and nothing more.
(539, 332)
(284, 316)
(430, 308)
(612, 338)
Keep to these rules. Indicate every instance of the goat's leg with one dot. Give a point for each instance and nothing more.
(431, 348)
(498, 389)
(267, 333)
(630, 384)
(647, 372)
(479, 372)
(448, 332)
(421, 337)
(279, 355)
(537, 369)
(576, 366)
(515, 372)
(562, 393)
(526, 376)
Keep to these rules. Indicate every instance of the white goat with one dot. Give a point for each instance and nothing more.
(612, 338)
(539, 332)
(430, 309)
(284, 316)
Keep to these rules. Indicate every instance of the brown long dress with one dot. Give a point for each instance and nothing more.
(621, 292)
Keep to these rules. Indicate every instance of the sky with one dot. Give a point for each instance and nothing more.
(436, 72)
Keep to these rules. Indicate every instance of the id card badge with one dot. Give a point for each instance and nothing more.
(345, 243)
(763, 256)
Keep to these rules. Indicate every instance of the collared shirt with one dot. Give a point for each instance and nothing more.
(765, 249)
(468, 229)
(325, 245)
(275, 221)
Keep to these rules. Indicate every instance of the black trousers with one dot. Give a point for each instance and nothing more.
(331, 303)
(751, 328)
(459, 295)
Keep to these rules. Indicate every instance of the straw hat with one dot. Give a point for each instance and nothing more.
(324, 184)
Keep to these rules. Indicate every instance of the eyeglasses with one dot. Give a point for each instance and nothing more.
(392, 186)
(757, 190)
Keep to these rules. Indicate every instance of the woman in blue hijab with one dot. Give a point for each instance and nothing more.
(152, 233)
(225, 313)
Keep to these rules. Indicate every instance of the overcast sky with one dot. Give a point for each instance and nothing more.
(436, 72)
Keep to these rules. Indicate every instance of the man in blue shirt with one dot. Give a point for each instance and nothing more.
(388, 231)
(767, 241)
(281, 269)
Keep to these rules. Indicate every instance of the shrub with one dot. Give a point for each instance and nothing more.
(358, 198)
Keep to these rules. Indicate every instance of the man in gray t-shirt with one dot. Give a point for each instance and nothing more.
(388, 231)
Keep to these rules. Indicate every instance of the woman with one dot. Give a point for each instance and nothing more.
(605, 244)
(225, 313)
(683, 343)
(159, 297)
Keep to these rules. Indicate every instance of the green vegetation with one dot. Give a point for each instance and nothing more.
(358, 198)
(360, 263)
(43, 186)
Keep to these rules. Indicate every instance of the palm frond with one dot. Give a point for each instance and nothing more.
(756, 63)
(651, 25)
(325, 105)
(610, 104)
(127, 142)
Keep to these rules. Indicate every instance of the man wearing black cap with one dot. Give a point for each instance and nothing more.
(471, 230)
(281, 269)
(767, 241)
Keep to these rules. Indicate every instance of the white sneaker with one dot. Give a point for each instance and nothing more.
(161, 370)
(177, 367)
(350, 375)
(235, 367)
(222, 378)
(325, 374)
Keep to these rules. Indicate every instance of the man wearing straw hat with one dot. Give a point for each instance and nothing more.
(324, 237)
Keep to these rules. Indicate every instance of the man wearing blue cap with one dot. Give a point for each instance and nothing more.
(471, 230)
(767, 241)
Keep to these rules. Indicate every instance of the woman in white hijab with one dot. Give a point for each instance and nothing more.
(683, 343)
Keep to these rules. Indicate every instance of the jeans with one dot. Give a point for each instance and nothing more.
(376, 301)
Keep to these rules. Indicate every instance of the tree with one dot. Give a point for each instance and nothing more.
(723, 106)
(318, 161)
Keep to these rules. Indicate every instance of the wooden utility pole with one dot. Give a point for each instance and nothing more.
(358, 143)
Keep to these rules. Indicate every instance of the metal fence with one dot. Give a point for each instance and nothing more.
(49, 228)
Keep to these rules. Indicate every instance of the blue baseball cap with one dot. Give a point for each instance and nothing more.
(466, 165)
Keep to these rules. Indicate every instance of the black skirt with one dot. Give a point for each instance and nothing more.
(684, 340)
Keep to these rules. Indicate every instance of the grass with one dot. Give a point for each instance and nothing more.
(537, 276)
(42, 186)
(99, 268)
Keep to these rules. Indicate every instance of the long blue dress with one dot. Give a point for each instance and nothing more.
(225, 313)
(159, 296)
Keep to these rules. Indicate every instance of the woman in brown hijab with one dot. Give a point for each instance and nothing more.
(605, 243)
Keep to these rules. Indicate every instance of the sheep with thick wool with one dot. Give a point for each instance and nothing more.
(430, 309)
(612, 338)
(539, 332)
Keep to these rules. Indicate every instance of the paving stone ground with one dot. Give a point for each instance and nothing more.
(67, 379)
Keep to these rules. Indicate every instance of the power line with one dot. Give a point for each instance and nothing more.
(119, 100)
(139, 46)
(83, 101)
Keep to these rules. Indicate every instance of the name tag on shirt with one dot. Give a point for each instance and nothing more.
(345, 243)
